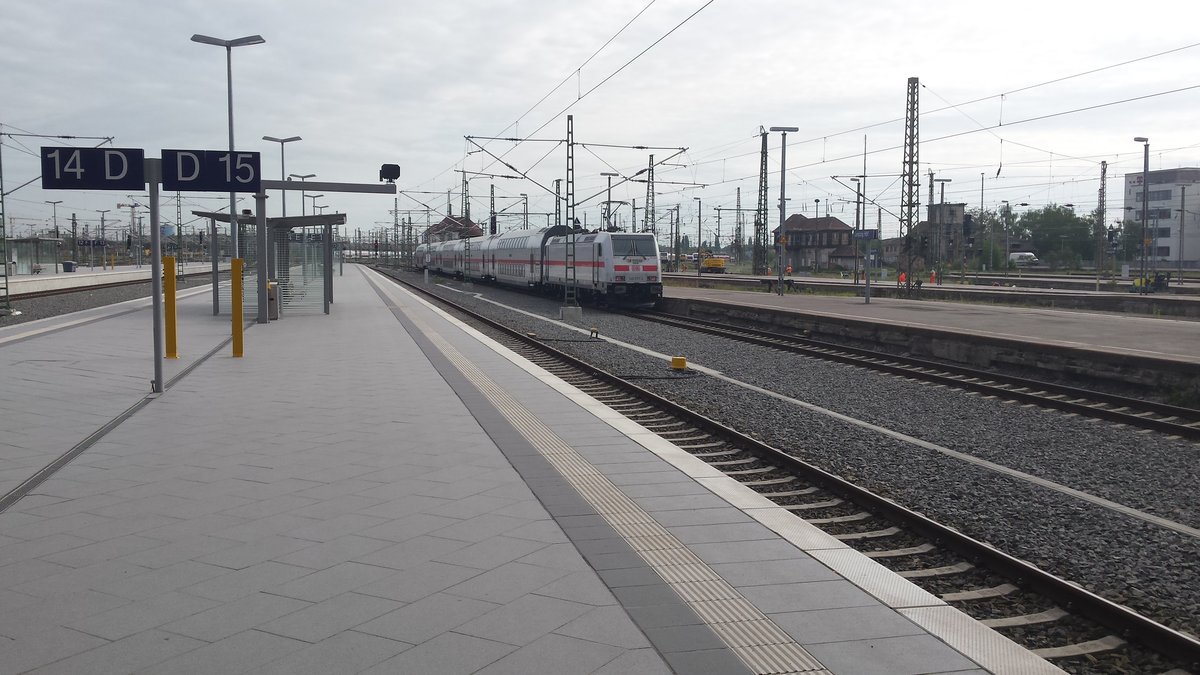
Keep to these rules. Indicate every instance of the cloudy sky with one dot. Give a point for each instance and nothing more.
(1022, 99)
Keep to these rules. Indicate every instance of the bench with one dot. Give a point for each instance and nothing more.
(37, 268)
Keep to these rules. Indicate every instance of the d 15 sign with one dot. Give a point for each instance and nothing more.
(210, 171)
(866, 234)
(93, 168)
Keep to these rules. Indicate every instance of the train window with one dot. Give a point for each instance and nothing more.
(599, 250)
(633, 246)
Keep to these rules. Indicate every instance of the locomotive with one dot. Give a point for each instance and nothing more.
(610, 267)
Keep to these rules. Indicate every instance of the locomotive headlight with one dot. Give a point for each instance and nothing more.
(619, 277)
(652, 277)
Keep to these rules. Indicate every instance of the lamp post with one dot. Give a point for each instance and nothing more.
(1145, 202)
(782, 200)
(857, 198)
(941, 226)
(608, 199)
(54, 207)
(1178, 255)
(229, 45)
(302, 178)
(103, 243)
(314, 199)
(281, 141)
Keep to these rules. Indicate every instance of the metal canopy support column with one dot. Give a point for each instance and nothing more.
(260, 226)
(328, 256)
(213, 251)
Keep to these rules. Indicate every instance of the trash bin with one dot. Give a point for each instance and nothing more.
(272, 300)
(68, 265)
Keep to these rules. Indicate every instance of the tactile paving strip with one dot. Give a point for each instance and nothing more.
(762, 645)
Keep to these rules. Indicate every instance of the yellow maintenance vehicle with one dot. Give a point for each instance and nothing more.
(712, 264)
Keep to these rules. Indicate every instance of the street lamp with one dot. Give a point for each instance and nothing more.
(229, 45)
(281, 141)
(92, 244)
(699, 232)
(54, 207)
(857, 199)
(323, 207)
(302, 178)
(608, 199)
(941, 226)
(1145, 201)
(314, 199)
(782, 200)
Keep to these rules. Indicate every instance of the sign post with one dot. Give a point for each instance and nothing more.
(66, 168)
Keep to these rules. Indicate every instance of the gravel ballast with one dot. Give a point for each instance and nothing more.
(1150, 568)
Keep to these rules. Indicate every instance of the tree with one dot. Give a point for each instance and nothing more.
(1059, 237)
(988, 232)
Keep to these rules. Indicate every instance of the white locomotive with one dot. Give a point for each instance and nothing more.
(610, 267)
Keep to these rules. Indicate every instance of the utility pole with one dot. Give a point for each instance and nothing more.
(569, 290)
(737, 227)
(466, 197)
(557, 202)
(492, 211)
(1101, 197)
(133, 207)
(760, 215)
(103, 241)
(910, 181)
(648, 225)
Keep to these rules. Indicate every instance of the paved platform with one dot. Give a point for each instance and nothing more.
(384, 490)
(1161, 338)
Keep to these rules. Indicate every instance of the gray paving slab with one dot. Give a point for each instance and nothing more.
(319, 521)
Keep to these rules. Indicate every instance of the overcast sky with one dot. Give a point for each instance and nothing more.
(366, 83)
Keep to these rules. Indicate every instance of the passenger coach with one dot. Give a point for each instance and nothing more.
(610, 267)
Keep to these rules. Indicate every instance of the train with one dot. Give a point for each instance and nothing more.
(611, 267)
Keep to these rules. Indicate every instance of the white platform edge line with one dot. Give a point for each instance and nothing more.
(768, 516)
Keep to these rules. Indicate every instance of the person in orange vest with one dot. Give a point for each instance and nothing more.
(788, 271)
(933, 277)
(902, 279)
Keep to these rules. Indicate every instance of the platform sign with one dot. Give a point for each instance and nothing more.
(93, 168)
(211, 171)
(866, 234)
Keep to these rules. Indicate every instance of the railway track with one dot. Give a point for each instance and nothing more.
(1078, 630)
(1138, 413)
(17, 297)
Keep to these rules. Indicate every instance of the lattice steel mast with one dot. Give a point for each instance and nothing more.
(910, 179)
(648, 222)
(569, 290)
(760, 215)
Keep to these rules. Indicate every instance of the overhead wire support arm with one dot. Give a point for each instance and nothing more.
(510, 166)
(513, 140)
(634, 147)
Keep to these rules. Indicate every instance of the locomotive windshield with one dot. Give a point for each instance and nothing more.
(633, 245)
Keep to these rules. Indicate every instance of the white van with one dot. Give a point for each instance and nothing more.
(1023, 259)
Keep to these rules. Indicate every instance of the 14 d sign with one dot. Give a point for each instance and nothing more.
(210, 171)
(93, 168)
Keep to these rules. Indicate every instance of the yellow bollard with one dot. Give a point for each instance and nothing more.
(679, 363)
(168, 263)
(236, 306)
